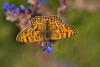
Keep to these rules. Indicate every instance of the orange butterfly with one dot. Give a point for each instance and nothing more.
(45, 28)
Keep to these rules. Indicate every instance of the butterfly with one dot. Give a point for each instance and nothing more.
(44, 28)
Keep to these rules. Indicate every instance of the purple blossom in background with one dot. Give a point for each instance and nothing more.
(12, 7)
(6, 6)
(17, 10)
(22, 9)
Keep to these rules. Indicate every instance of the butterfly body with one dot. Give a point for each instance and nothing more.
(45, 28)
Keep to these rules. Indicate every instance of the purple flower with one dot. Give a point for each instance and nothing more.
(17, 10)
(12, 7)
(6, 6)
(48, 48)
(22, 9)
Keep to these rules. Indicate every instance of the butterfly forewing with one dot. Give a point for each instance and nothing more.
(54, 22)
(38, 23)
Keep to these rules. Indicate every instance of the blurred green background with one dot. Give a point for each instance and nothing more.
(82, 50)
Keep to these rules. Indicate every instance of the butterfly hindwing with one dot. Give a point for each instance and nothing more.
(29, 35)
(64, 31)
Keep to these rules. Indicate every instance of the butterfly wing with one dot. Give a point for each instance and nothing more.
(38, 23)
(29, 35)
(54, 22)
(58, 29)
(63, 32)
